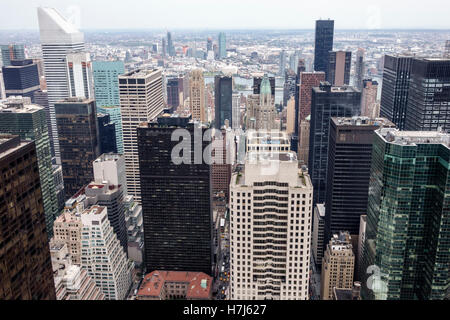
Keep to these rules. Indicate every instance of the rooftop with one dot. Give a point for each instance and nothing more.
(139, 73)
(18, 104)
(362, 121)
(199, 283)
(413, 138)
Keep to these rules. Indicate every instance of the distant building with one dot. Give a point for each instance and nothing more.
(223, 94)
(135, 230)
(339, 66)
(360, 69)
(170, 46)
(221, 168)
(170, 285)
(303, 141)
(261, 112)
(24, 253)
(282, 66)
(106, 84)
(290, 116)
(323, 44)
(361, 240)
(236, 111)
(222, 46)
(12, 52)
(370, 107)
(337, 266)
(107, 134)
(257, 85)
(78, 140)
(173, 94)
(79, 70)
(197, 95)
(21, 78)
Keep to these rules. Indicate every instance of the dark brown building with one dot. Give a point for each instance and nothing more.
(25, 265)
(79, 145)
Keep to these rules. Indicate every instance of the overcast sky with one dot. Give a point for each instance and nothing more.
(232, 14)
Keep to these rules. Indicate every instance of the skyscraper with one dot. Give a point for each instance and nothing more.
(395, 89)
(176, 199)
(369, 104)
(141, 100)
(12, 52)
(306, 81)
(93, 244)
(58, 38)
(76, 119)
(223, 87)
(173, 94)
(19, 117)
(79, 71)
(107, 134)
(222, 46)
(106, 82)
(282, 66)
(257, 85)
(339, 65)
(323, 44)
(360, 69)
(337, 266)
(21, 78)
(170, 47)
(327, 102)
(197, 95)
(348, 172)
(270, 216)
(429, 95)
(24, 253)
(407, 220)
(261, 112)
(296, 135)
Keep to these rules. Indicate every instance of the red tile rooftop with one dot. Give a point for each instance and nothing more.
(154, 282)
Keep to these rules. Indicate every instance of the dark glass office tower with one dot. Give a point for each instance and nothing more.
(323, 44)
(78, 136)
(349, 161)
(25, 266)
(429, 95)
(21, 78)
(107, 134)
(170, 47)
(41, 98)
(394, 93)
(327, 102)
(408, 217)
(173, 93)
(175, 199)
(223, 93)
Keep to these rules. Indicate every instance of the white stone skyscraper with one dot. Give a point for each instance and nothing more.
(141, 100)
(270, 228)
(58, 38)
(79, 71)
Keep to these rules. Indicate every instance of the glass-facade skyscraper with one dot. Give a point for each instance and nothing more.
(323, 44)
(107, 98)
(223, 87)
(406, 251)
(19, 117)
(222, 45)
(327, 102)
(12, 52)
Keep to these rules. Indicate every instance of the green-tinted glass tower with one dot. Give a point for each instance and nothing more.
(106, 85)
(406, 254)
(19, 117)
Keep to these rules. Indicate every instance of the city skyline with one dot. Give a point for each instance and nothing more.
(199, 14)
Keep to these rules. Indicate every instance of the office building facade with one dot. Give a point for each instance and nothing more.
(339, 66)
(107, 134)
(24, 253)
(323, 44)
(141, 100)
(76, 119)
(327, 102)
(223, 87)
(19, 117)
(12, 52)
(21, 78)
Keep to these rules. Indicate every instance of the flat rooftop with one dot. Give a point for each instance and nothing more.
(139, 73)
(362, 121)
(412, 138)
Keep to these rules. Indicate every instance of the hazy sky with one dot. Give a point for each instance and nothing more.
(232, 14)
